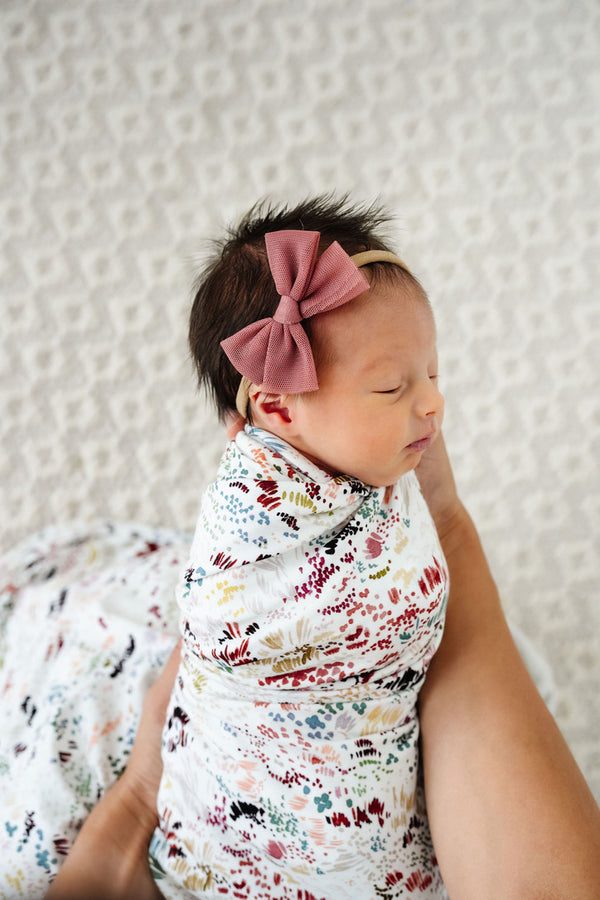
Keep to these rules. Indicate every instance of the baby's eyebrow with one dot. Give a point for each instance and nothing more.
(395, 366)
(390, 363)
(374, 368)
(383, 379)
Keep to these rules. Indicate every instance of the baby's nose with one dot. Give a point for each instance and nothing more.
(431, 401)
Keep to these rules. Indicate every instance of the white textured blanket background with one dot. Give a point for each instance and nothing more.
(131, 131)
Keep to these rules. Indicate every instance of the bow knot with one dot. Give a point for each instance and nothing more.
(288, 311)
(275, 352)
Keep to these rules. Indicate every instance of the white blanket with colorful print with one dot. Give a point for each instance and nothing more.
(87, 620)
(310, 611)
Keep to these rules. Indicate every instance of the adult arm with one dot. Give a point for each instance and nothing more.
(109, 858)
(511, 814)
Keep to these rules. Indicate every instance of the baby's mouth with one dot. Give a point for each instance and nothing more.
(422, 443)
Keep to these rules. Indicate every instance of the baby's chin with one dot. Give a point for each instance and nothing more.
(391, 480)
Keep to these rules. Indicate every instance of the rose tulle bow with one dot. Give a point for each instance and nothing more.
(275, 352)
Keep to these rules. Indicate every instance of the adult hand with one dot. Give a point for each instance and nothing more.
(234, 423)
(438, 486)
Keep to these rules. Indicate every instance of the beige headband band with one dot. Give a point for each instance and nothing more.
(359, 260)
(373, 256)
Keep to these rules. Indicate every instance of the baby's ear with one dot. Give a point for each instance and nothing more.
(274, 412)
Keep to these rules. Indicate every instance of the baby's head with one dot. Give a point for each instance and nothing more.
(372, 405)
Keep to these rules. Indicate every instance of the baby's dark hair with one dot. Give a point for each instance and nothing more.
(236, 286)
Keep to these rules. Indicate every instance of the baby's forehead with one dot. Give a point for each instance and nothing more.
(395, 297)
(378, 317)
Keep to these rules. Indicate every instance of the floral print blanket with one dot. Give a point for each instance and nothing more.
(88, 617)
(87, 621)
(311, 608)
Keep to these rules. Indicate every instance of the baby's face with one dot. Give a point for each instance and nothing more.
(378, 406)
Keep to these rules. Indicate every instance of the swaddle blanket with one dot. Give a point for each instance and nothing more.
(311, 608)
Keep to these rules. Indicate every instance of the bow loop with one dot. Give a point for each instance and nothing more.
(275, 352)
(292, 256)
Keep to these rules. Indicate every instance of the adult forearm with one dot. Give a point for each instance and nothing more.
(109, 859)
(510, 813)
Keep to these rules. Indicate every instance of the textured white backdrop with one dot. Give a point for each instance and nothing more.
(131, 131)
